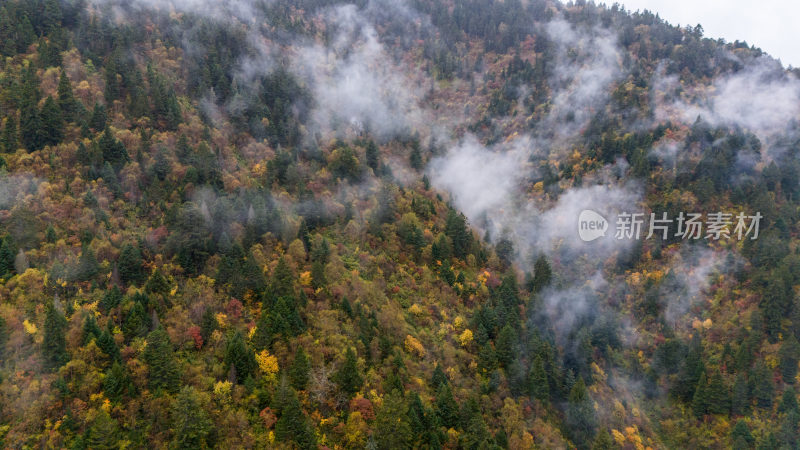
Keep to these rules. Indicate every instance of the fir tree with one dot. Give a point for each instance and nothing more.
(373, 156)
(54, 346)
(438, 378)
(130, 265)
(504, 347)
(415, 159)
(160, 359)
(741, 437)
(542, 274)
(740, 396)
(789, 355)
(282, 284)
(717, 394)
(66, 99)
(10, 139)
(538, 386)
(392, 429)
(98, 119)
(208, 324)
(116, 383)
(31, 126)
(135, 324)
(293, 425)
(239, 356)
(348, 377)
(580, 415)
(106, 343)
(111, 299)
(52, 123)
(90, 329)
(88, 267)
(300, 370)
(789, 401)
(763, 388)
(446, 407)
(113, 151)
(262, 338)
(192, 426)
(700, 400)
(603, 441)
(157, 284)
(456, 229)
(6, 257)
(103, 434)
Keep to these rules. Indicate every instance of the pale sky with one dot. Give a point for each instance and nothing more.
(769, 24)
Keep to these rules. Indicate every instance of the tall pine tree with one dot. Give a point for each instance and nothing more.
(160, 359)
(54, 345)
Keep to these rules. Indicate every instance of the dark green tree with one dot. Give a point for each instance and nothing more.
(239, 356)
(114, 152)
(348, 377)
(293, 425)
(110, 179)
(52, 123)
(456, 229)
(446, 407)
(209, 323)
(717, 394)
(90, 329)
(542, 274)
(160, 359)
(415, 159)
(117, 382)
(438, 378)
(580, 415)
(689, 374)
(391, 428)
(111, 299)
(373, 156)
(763, 388)
(130, 265)
(66, 99)
(603, 441)
(10, 140)
(740, 396)
(700, 400)
(88, 267)
(136, 322)
(7, 255)
(157, 284)
(31, 127)
(191, 424)
(54, 345)
(103, 434)
(788, 401)
(282, 284)
(538, 386)
(318, 279)
(106, 343)
(741, 438)
(262, 338)
(504, 347)
(98, 120)
(300, 370)
(789, 355)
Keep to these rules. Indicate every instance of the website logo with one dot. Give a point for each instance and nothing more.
(591, 225)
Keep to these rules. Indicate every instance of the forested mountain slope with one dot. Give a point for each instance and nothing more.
(317, 224)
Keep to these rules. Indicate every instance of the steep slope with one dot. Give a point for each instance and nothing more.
(327, 225)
